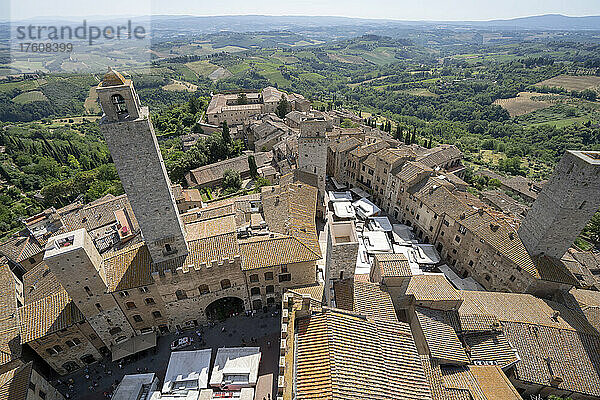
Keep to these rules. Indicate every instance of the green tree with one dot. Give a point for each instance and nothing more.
(232, 181)
(592, 229)
(253, 167)
(282, 107)
(225, 133)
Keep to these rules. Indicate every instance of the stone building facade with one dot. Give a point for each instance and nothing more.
(412, 184)
(572, 194)
(342, 253)
(312, 150)
(133, 146)
(75, 261)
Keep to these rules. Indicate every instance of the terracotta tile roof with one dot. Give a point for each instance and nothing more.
(546, 352)
(372, 301)
(348, 144)
(440, 155)
(431, 287)
(20, 247)
(524, 308)
(10, 344)
(39, 282)
(98, 214)
(410, 171)
(48, 315)
(364, 150)
(491, 347)
(204, 251)
(214, 172)
(290, 210)
(210, 227)
(14, 383)
(442, 341)
(128, 268)
(494, 383)
(391, 156)
(371, 161)
(393, 265)
(343, 356)
(314, 291)
(550, 339)
(461, 379)
(433, 374)
(270, 252)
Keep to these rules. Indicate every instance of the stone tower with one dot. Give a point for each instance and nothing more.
(133, 146)
(564, 206)
(312, 150)
(75, 261)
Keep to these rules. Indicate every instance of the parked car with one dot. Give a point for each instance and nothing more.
(181, 343)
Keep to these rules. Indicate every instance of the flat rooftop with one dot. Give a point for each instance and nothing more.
(187, 370)
(592, 157)
(133, 386)
(236, 366)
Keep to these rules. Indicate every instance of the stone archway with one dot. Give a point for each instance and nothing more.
(224, 307)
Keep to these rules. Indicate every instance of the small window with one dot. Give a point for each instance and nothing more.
(98, 306)
(58, 349)
(225, 284)
(168, 248)
(471, 263)
(115, 330)
(270, 289)
(285, 277)
(268, 276)
(87, 290)
(156, 314)
(149, 300)
(255, 291)
(254, 278)
(32, 386)
(144, 289)
(76, 341)
(180, 294)
(130, 305)
(512, 278)
(42, 395)
(124, 293)
(70, 343)
(457, 239)
(138, 318)
(119, 102)
(203, 289)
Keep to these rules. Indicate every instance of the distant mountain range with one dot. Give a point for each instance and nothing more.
(253, 23)
(245, 23)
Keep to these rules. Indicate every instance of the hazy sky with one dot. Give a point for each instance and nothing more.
(392, 9)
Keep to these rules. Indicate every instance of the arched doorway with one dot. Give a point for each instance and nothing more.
(256, 304)
(223, 308)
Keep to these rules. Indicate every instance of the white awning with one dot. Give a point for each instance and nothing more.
(133, 345)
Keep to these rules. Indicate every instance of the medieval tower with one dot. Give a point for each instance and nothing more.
(133, 146)
(312, 150)
(75, 261)
(565, 205)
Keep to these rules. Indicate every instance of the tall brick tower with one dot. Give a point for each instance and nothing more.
(75, 261)
(133, 146)
(567, 202)
(312, 150)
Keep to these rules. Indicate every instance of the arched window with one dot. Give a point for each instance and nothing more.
(180, 294)
(130, 305)
(119, 103)
(255, 291)
(203, 289)
(225, 284)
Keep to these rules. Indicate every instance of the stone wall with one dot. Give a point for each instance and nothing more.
(68, 354)
(563, 208)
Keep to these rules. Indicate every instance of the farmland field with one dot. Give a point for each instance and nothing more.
(180, 86)
(29, 97)
(569, 82)
(524, 103)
